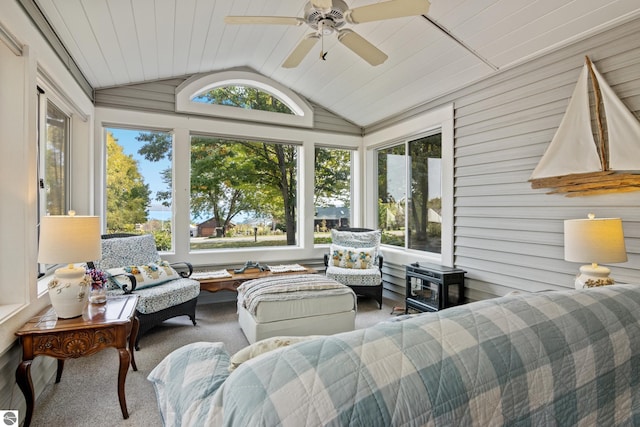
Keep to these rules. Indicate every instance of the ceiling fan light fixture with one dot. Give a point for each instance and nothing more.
(326, 27)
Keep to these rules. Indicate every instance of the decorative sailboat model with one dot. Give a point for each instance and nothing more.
(573, 163)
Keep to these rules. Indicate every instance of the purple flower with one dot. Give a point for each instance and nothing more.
(98, 278)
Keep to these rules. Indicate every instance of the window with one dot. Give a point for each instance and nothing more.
(243, 193)
(332, 195)
(247, 97)
(53, 160)
(139, 183)
(259, 99)
(410, 194)
(54, 155)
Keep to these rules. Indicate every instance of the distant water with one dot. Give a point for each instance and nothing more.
(160, 215)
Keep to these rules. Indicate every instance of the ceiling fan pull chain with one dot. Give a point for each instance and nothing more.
(323, 54)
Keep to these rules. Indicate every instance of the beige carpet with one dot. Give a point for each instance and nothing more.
(87, 395)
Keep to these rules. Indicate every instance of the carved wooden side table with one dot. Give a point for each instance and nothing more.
(112, 324)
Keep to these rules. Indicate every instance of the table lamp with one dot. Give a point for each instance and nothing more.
(594, 240)
(69, 239)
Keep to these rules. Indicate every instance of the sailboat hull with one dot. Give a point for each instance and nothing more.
(590, 183)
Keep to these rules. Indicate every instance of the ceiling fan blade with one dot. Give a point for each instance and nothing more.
(301, 51)
(362, 47)
(271, 20)
(387, 10)
(322, 4)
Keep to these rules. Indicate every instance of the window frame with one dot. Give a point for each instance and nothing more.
(107, 127)
(45, 97)
(183, 126)
(418, 126)
(409, 197)
(303, 112)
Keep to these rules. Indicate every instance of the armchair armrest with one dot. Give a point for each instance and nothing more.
(183, 264)
(124, 286)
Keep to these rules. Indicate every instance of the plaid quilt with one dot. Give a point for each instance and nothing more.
(556, 358)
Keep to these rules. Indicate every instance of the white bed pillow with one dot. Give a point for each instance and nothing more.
(264, 346)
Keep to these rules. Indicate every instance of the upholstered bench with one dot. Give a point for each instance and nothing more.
(134, 266)
(295, 305)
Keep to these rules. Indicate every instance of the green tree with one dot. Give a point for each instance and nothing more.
(273, 167)
(127, 193)
(421, 151)
(246, 97)
(332, 177)
(269, 170)
(229, 177)
(220, 183)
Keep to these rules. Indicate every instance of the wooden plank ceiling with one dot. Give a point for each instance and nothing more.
(119, 42)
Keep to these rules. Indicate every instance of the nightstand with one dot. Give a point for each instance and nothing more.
(112, 324)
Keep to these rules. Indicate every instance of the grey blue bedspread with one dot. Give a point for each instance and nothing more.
(549, 359)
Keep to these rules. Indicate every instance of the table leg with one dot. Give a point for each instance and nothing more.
(132, 340)
(125, 359)
(60, 368)
(23, 378)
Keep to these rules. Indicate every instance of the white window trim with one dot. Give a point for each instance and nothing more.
(303, 113)
(52, 94)
(442, 119)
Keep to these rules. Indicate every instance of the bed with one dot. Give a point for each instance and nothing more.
(552, 358)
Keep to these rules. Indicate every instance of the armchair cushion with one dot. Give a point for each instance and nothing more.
(133, 250)
(168, 294)
(349, 257)
(356, 239)
(355, 276)
(147, 275)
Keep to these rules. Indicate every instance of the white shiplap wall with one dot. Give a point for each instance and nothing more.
(508, 236)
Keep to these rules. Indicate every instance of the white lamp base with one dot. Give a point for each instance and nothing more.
(593, 275)
(68, 291)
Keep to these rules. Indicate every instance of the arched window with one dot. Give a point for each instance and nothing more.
(255, 97)
(239, 96)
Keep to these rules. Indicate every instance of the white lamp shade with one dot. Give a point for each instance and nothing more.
(69, 239)
(594, 240)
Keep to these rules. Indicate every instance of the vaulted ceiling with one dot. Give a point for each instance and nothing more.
(119, 42)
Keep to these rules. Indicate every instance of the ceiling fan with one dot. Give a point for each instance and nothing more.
(326, 17)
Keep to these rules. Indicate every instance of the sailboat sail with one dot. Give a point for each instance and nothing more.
(623, 130)
(572, 149)
(572, 163)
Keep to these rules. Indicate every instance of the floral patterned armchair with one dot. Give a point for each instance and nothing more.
(354, 259)
(134, 266)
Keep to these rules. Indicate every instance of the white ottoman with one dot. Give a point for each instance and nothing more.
(295, 305)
